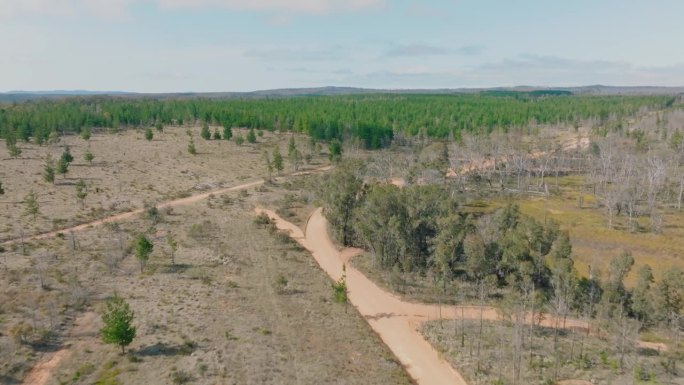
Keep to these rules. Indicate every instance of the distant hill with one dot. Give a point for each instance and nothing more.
(13, 96)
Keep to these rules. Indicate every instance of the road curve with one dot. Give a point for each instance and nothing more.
(397, 321)
(394, 320)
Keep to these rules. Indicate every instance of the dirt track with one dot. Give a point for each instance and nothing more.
(172, 203)
(85, 327)
(396, 321)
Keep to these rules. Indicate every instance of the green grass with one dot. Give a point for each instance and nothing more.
(593, 242)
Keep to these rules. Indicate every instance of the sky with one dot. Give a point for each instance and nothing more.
(245, 45)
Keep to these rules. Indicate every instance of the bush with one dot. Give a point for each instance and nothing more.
(262, 220)
(280, 283)
(340, 290)
(181, 377)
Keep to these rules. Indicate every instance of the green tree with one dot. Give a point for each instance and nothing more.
(251, 137)
(85, 133)
(143, 249)
(205, 134)
(239, 140)
(293, 154)
(191, 147)
(53, 137)
(12, 148)
(49, 170)
(335, 149)
(149, 135)
(88, 156)
(66, 155)
(227, 132)
(118, 323)
(31, 201)
(62, 167)
(159, 126)
(217, 134)
(291, 146)
(340, 287)
(340, 192)
(642, 300)
(277, 160)
(81, 191)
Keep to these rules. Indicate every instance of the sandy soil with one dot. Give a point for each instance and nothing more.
(85, 328)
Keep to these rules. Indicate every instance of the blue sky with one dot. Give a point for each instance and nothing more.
(235, 45)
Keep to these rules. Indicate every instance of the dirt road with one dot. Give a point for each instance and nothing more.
(85, 328)
(396, 321)
(172, 203)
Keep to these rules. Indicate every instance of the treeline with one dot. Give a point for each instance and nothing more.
(420, 229)
(371, 119)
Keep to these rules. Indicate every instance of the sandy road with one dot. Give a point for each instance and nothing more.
(85, 329)
(171, 203)
(396, 321)
(129, 214)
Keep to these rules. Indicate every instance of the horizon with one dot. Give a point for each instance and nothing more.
(206, 46)
(518, 88)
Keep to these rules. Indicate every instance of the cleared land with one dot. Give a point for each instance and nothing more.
(239, 305)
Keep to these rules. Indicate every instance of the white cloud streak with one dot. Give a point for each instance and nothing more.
(117, 8)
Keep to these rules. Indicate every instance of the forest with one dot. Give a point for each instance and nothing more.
(523, 265)
(372, 120)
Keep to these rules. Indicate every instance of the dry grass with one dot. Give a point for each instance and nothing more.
(126, 172)
(580, 357)
(593, 243)
(240, 306)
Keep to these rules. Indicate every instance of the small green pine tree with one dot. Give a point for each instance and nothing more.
(191, 147)
(81, 191)
(62, 167)
(227, 133)
(49, 170)
(205, 134)
(251, 137)
(66, 155)
(85, 133)
(31, 202)
(335, 149)
(117, 319)
(143, 249)
(88, 156)
(277, 160)
(149, 135)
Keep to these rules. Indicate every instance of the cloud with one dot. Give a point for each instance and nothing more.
(278, 6)
(117, 8)
(103, 8)
(295, 55)
(553, 70)
(470, 50)
(415, 50)
(421, 50)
